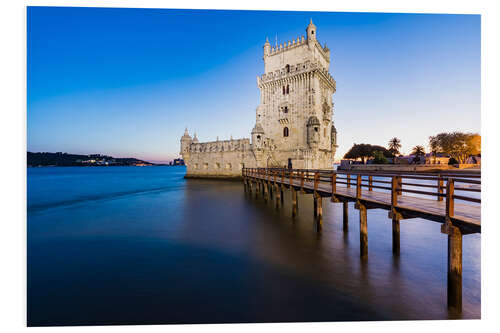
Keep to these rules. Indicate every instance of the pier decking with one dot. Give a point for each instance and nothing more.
(447, 197)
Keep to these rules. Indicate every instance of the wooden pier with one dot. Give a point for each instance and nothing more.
(448, 197)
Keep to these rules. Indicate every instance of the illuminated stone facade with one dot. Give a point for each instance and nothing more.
(294, 120)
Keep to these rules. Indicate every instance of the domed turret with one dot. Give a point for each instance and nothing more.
(313, 126)
(185, 142)
(311, 31)
(334, 136)
(195, 139)
(267, 48)
(257, 135)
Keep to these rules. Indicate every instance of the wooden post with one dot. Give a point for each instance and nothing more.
(316, 178)
(450, 202)
(346, 217)
(315, 205)
(400, 185)
(370, 183)
(294, 202)
(302, 181)
(363, 232)
(358, 186)
(394, 192)
(395, 235)
(278, 195)
(440, 188)
(266, 191)
(455, 269)
(271, 191)
(334, 183)
(348, 180)
(319, 212)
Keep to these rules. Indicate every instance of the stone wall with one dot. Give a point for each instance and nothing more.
(218, 159)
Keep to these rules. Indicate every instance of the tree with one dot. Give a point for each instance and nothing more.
(365, 151)
(394, 146)
(456, 144)
(418, 151)
(379, 158)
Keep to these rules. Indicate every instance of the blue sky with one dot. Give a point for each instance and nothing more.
(126, 82)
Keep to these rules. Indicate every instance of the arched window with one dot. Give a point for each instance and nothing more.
(285, 131)
(288, 68)
(287, 89)
(284, 90)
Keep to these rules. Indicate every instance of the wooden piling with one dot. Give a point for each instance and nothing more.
(315, 206)
(278, 195)
(294, 202)
(346, 217)
(454, 269)
(395, 235)
(266, 191)
(319, 211)
(319, 206)
(363, 232)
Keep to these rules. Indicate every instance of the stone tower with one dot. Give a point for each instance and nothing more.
(294, 118)
(293, 122)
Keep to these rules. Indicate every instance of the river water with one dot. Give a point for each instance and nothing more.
(143, 245)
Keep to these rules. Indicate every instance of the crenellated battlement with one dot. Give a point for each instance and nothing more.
(295, 43)
(294, 70)
(220, 146)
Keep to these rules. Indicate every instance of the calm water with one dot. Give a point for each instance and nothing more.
(131, 245)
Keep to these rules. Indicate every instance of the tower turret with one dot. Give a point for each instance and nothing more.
(311, 31)
(334, 136)
(185, 142)
(313, 132)
(257, 136)
(267, 48)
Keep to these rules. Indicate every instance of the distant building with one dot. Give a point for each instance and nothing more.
(178, 161)
(474, 160)
(439, 158)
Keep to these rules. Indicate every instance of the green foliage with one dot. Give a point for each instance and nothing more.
(364, 151)
(418, 151)
(456, 144)
(379, 158)
(394, 146)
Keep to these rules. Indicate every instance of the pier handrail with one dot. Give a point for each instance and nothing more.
(407, 182)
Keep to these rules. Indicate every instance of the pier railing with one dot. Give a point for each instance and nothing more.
(452, 198)
(439, 185)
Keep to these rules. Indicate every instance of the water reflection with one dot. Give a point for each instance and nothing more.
(209, 252)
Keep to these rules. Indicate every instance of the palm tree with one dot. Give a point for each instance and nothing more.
(418, 151)
(394, 146)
